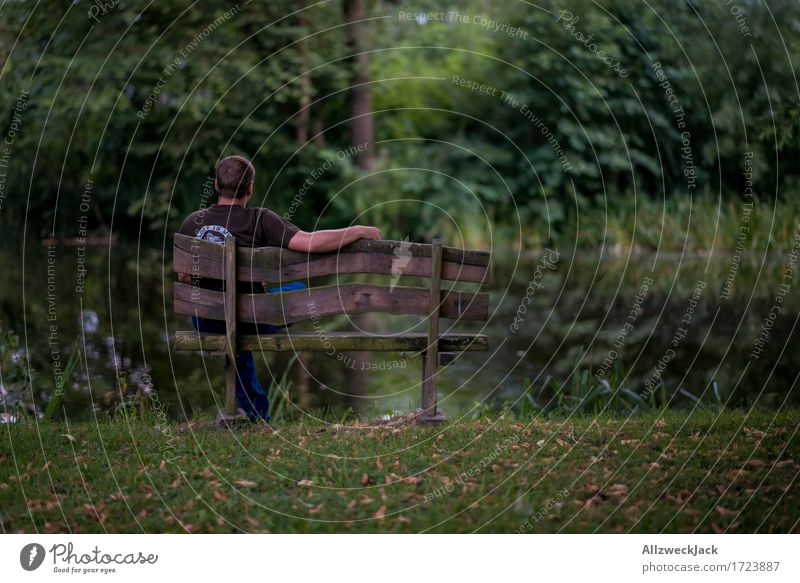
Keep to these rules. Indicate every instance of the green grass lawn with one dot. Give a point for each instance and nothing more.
(713, 471)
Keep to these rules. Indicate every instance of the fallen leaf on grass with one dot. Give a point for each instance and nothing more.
(724, 511)
(380, 512)
(413, 479)
(364, 479)
(246, 483)
(305, 483)
(618, 490)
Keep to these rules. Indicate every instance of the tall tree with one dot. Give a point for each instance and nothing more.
(360, 90)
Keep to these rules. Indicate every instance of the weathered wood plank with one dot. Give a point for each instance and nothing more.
(430, 363)
(341, 341)
(318, 302)
(273, 264)
(229, 267)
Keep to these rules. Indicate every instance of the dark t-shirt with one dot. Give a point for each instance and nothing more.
(252, 227)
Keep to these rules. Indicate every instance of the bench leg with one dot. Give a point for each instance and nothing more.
(230, 387)
(430, 413)
(228, 417)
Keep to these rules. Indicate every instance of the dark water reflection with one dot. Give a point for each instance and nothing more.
(639, 314)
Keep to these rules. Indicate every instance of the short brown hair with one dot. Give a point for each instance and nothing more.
(235, 174)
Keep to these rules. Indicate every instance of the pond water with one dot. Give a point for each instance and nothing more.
(687, 321)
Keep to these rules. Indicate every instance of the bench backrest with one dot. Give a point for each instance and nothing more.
(275, 265)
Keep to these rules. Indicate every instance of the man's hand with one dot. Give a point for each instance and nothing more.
(369, 233)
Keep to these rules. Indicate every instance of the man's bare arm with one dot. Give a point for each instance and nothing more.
(331, 240)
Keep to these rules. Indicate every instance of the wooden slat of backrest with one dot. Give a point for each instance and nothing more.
(272, 264)
(350, 298)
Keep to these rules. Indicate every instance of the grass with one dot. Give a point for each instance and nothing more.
(708, 471)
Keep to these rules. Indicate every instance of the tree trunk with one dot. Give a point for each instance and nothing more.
(304, 111)
(362, 134)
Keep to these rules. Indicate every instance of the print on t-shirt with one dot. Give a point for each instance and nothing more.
(213, 233)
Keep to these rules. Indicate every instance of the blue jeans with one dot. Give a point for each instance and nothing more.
(250, 395)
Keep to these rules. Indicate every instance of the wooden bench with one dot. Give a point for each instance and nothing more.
(278, 266)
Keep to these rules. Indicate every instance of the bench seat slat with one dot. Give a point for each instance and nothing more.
(342, 341)
(274, 264)
(318, 302)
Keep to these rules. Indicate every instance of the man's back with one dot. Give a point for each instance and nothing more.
(252, 227)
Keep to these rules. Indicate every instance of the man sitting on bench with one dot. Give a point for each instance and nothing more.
(254, 227)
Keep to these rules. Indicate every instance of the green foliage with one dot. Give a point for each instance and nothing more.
(15, 377)
(586, 394)
(143, 99)
(279, 393)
